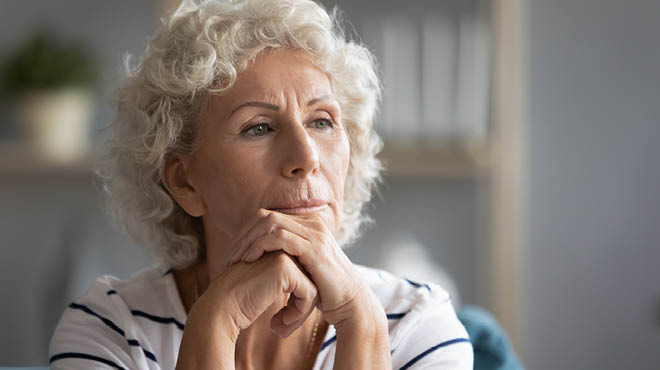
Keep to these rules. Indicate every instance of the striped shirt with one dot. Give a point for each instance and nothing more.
(138, 324)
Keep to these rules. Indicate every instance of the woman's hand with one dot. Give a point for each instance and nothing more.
(287, 254)
(345, 301)
(235, 300)
(307, 238)
(246, 291)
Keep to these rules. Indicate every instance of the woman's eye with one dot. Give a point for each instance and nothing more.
(260, 129)
(323, 124)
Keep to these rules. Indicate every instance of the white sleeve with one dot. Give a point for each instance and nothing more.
(431, 336)
(90, 335)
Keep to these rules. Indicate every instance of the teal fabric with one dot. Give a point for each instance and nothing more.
(492, 347)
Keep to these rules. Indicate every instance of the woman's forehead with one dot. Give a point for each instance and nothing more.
(278, 80)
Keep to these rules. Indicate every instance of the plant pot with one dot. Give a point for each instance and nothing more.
(57, 123)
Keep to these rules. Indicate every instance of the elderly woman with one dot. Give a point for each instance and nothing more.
(243, 153)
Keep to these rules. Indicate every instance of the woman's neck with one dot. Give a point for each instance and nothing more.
(260, 348)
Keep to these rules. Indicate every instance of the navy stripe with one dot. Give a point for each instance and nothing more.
(169, 271)
(113, 326)
(328, 342)
(158, 319)
(111, 292)
(107, 322)
(84, 356)
(443, 344)
(135, 343)
(150, 355)
(418, 285)
(392, 316)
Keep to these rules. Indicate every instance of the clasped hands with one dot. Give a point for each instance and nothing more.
(277, 253)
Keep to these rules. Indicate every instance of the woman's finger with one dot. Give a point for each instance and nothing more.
(249, 226)
(311, 243)
(291, 317)
(267, 225)
(267, 221)
(262, 226)
(300, 305)
(282, 239)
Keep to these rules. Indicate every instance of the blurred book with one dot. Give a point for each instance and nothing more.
(436, 72)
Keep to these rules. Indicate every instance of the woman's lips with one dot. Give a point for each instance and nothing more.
(304, 210)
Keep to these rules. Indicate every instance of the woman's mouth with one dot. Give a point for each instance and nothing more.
(301, 207)
(300, 210)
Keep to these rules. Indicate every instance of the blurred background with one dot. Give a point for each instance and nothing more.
(521, 137)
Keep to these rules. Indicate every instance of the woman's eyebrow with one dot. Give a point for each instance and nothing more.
(274, 107)
(256, 104)
(316, 100)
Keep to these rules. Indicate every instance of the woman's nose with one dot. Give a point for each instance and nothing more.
(300, 154)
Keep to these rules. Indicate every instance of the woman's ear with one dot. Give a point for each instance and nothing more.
(179, 184)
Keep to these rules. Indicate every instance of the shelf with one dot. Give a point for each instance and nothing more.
(450, 162)
(21, 159)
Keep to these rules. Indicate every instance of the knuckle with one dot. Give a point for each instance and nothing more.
(325, 238)
(318, 223)
(282, 259)
(312, 292)
(279, 264)
(271, 217)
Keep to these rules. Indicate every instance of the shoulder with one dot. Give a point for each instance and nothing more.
(423, 325)
(115, 321)
(399, 294)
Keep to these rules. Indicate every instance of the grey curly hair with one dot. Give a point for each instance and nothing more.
(199, 51)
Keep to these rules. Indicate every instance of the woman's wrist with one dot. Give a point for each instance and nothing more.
(209, 340)
(214, 320)
(366, 316)
(363, 338)
(206, 348)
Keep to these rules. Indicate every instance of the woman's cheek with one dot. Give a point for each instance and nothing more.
(225, 220)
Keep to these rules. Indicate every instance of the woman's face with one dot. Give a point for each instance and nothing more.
(275, 141)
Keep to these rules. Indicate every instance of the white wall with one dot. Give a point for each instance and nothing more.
(54, 237)
(592, 274)
(54, 241)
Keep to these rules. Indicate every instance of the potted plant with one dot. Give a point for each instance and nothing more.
(50, 83)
